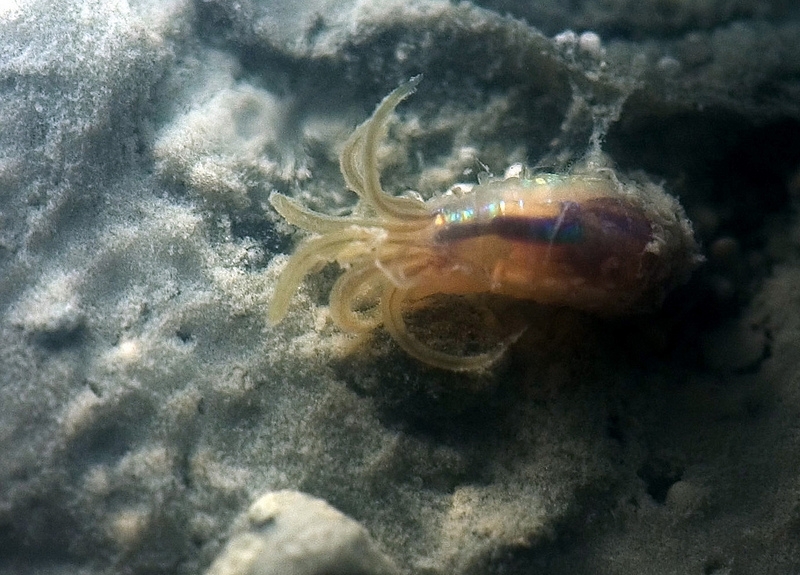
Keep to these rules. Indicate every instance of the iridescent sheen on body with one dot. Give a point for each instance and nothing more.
(461, 223)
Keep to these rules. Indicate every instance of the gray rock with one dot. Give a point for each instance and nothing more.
(291, 533)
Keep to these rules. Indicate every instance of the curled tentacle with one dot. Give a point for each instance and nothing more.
(392, 305)
(356, 283)
(359, 163)
(310, 254)
(298, 215)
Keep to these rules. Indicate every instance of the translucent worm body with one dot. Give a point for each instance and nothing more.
(585, 240)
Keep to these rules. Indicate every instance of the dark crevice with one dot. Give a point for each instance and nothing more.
(658, 476)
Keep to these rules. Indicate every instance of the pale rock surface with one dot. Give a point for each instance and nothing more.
(291, 533)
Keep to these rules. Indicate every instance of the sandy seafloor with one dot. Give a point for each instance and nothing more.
(146, 404)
